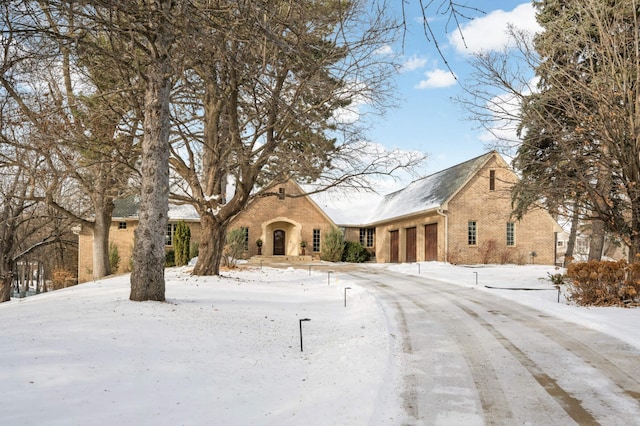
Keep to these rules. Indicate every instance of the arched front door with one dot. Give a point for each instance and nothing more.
(278, 242)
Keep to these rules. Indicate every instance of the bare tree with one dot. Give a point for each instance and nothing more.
(79, 106)
(271, 84)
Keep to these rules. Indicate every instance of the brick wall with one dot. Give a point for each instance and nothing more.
(297, 216)
(491, 210)
(122, 237)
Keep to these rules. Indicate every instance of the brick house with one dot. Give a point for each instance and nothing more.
(281, 222)
(458, 215)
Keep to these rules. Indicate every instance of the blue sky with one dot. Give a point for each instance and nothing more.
(427, 119)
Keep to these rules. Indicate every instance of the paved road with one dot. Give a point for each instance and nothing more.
(475, 359)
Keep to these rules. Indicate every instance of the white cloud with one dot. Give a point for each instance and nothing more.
(385, 50)
(437, 79)
(413, 63)
(490, 32)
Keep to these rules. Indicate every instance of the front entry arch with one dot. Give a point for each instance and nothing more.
(278, 242)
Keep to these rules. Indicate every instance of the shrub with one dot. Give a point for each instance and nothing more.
(114, 258)
(182, 243)
(355, 252)
(61, 278)
(233, 248)
(604, 283)
(488, 251)
(332, 246)
(170, 258)
(194, 250)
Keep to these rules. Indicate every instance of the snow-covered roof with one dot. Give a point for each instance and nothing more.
(360, 208)
(427, 193)
(127, 208)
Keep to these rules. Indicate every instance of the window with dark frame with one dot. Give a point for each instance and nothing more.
(171, 230)
(472, 233)
(245, 232)
(316, 240)
(367, 236)
(122, 225)
(511, 234)
(281, 194)
(492, 180)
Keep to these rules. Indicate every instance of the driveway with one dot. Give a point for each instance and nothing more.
(473, 359)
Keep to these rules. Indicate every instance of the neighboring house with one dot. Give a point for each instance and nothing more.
(458, 215)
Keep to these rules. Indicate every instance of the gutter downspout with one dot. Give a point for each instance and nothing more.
(443, 213)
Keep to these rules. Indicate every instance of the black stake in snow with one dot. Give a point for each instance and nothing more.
(345, 295)
(303, 319)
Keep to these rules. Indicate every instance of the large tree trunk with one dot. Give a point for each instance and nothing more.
(101, 226)
(575, 220)
(634, 238)
(596, 243)
(147, 278)
(6, 277)
(211, 246)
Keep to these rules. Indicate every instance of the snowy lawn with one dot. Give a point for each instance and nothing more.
(226, 350)
(222, 350)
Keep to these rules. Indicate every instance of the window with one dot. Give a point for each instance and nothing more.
(122, 225)
(245, 231)
(367, 236)
(492, 180)
(316, 240)
(511, 234)
(472, 233)
(171, 230)
(281, 194)
(560, 243)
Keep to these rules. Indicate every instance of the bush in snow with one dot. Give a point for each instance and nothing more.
(114, 258)
(332, 246)
(234, 247)
(355, 252)
(182, 243)
(604, 283)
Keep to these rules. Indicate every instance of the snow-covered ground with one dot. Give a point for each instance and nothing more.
(226, 350)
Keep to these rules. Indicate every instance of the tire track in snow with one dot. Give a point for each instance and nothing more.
(492, 399)
(617, 369)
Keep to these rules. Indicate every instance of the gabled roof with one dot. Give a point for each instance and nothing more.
(430, 192)
(127, 208)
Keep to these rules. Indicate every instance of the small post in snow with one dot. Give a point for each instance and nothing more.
(329, 277)
(476, 277)
(309, 270)
(418, 268)
(558, 287)
(345, 295)
(302, 319)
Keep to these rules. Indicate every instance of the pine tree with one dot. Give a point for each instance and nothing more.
(182, 243)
